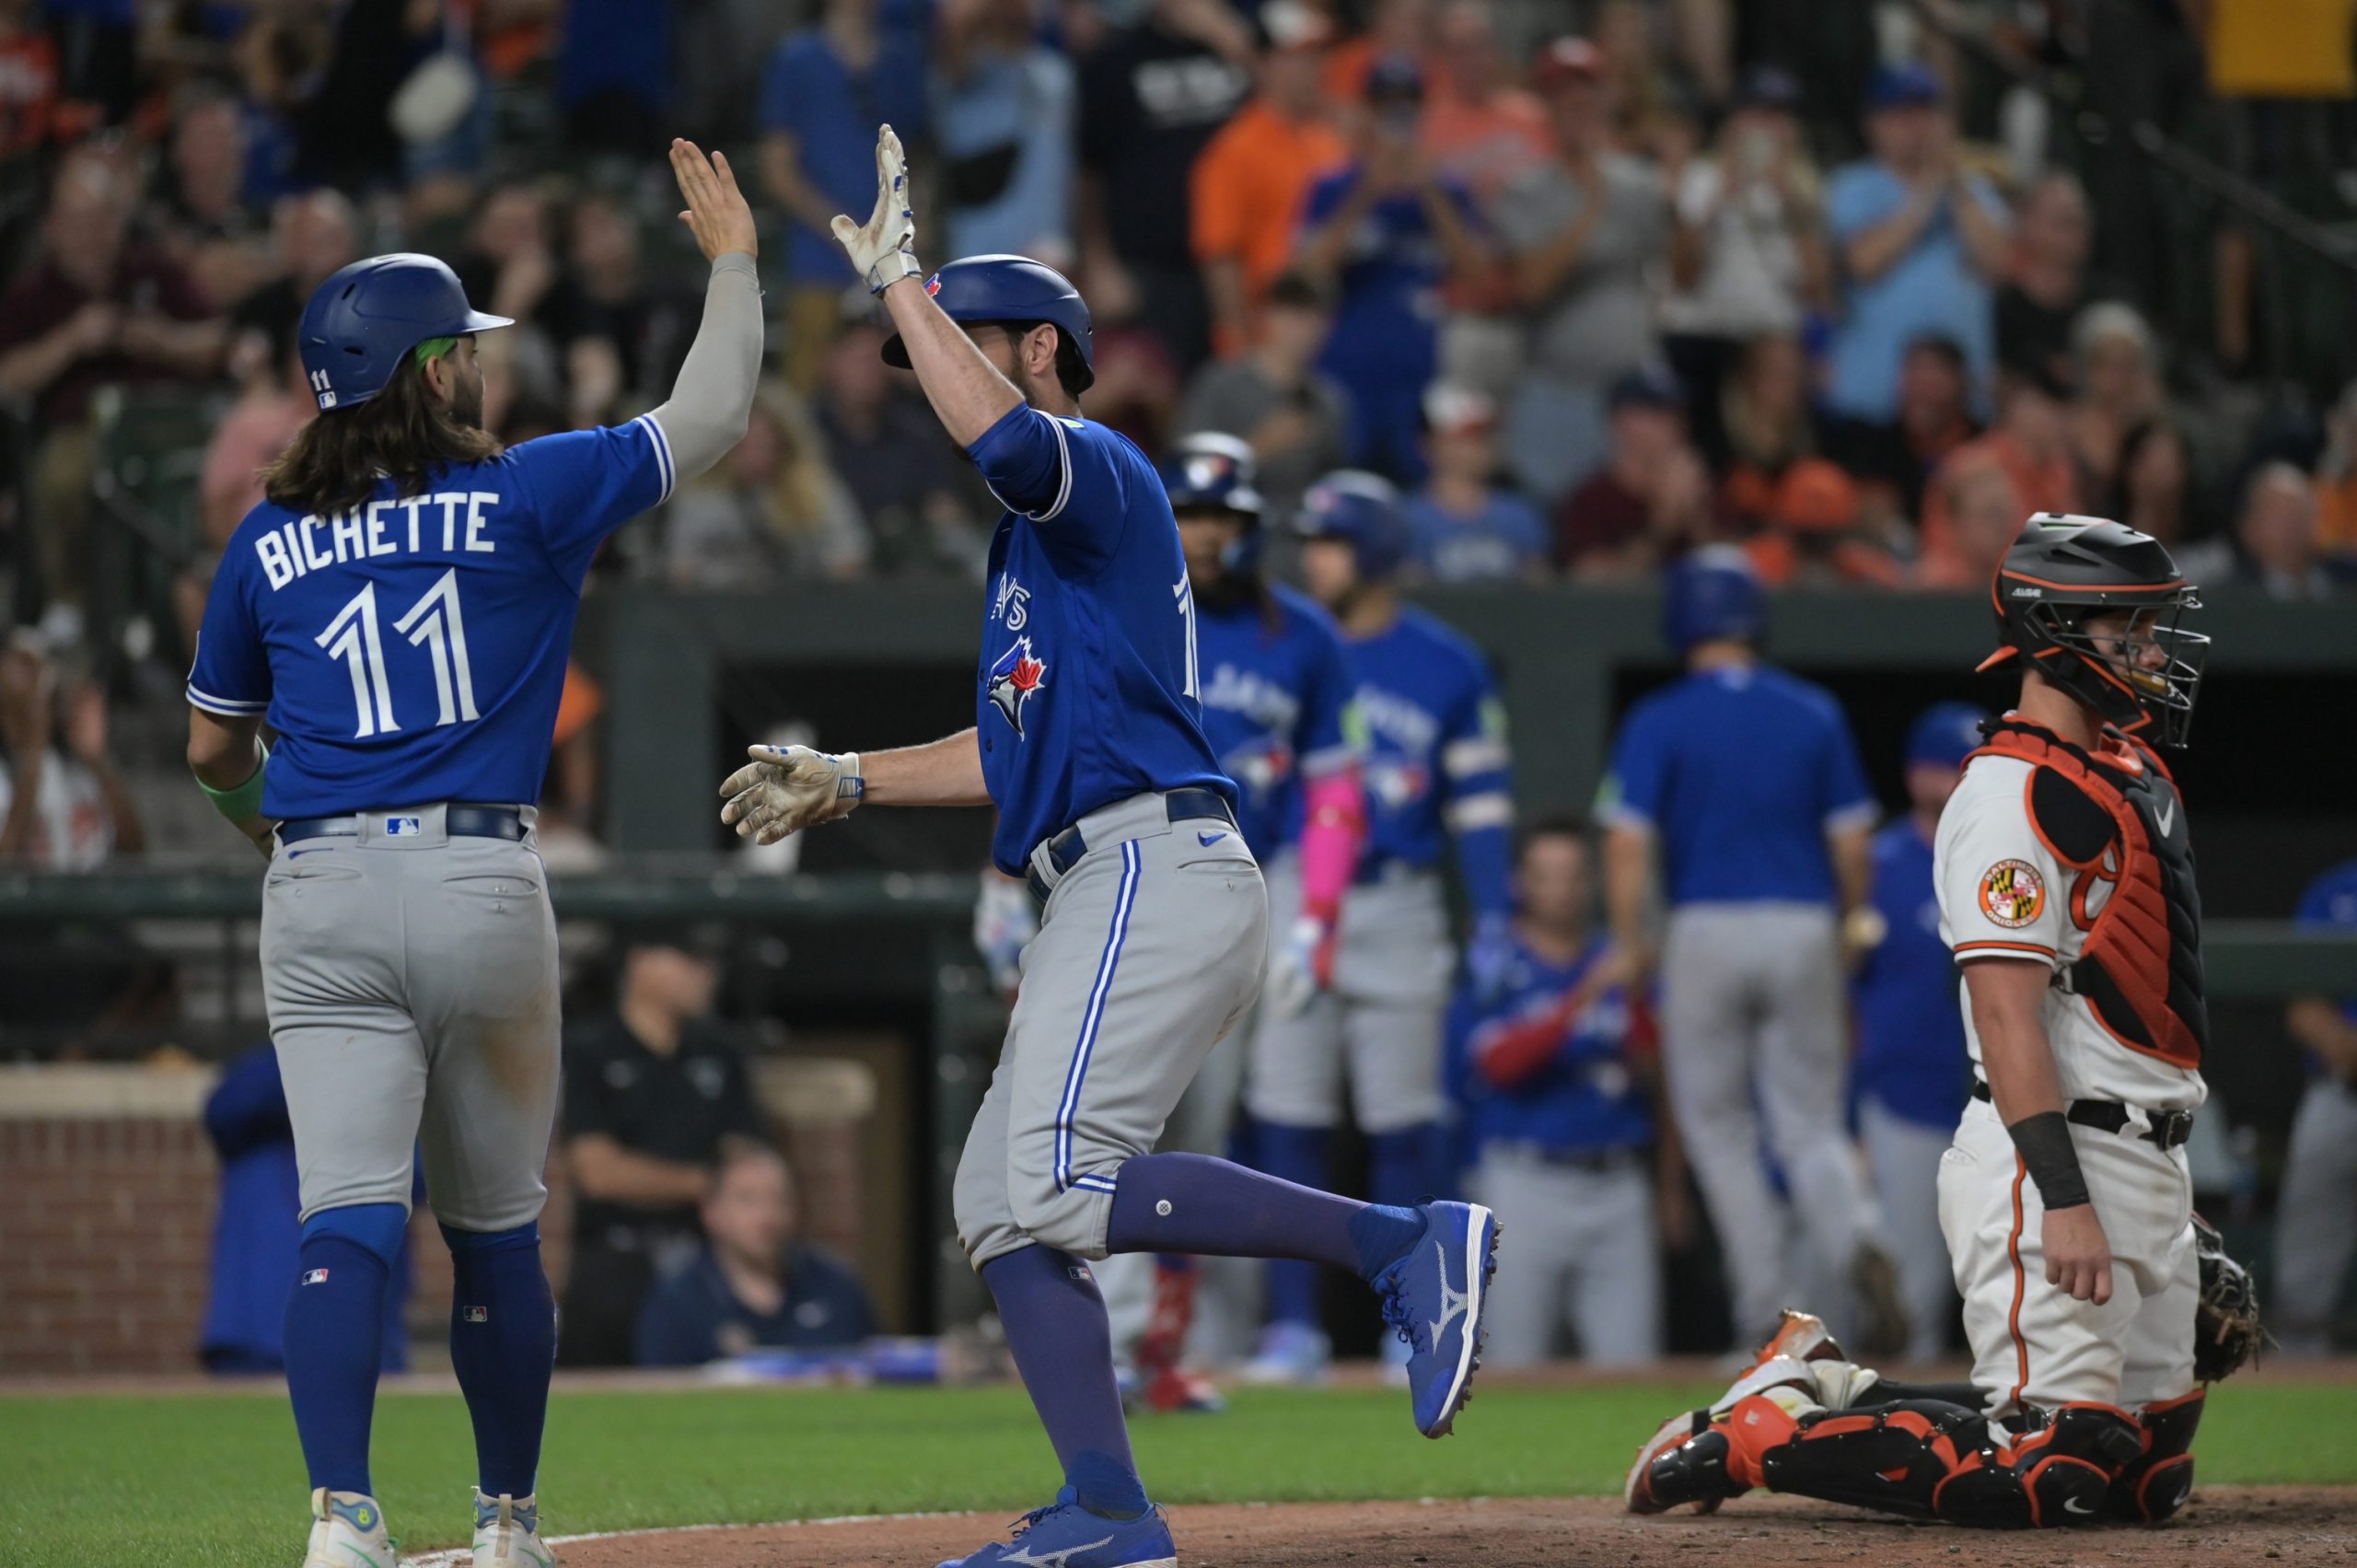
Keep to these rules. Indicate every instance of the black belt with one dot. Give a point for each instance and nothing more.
(1594, 1161)
(457, 822)
(1066, 849)
(2166, 1129)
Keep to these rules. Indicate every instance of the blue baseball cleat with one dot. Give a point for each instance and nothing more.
(1065, 1535)
(1434, 1295)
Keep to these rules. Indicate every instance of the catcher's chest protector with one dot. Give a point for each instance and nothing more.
(2115, 817)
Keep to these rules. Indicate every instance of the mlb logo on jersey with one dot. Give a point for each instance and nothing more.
(315, 1276)
(1017, 675)
(404, 827)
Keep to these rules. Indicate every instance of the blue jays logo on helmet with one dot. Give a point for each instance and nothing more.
(1213, 472)
(1362, 510)
(366, 318)
(1013, 678)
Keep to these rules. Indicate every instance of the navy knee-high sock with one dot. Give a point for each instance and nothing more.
(1401, 1166)
(1195, 1204)
(503, 1344)
(1302, 1156)
(335, 1328)
(1063, 1347)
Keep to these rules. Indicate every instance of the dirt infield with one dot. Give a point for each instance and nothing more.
(2223, 1526)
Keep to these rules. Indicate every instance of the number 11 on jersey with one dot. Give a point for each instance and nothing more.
(436, 623)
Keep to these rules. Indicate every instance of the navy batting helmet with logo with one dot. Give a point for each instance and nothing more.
(362, 321)
(1009, 288)
(1362, 510)
(1712, 594)
(1214, 472)
(2065, 569)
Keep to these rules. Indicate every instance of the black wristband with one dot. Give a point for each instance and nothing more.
(2044, 1142)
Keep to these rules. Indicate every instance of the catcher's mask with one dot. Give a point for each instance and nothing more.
(2065, 571)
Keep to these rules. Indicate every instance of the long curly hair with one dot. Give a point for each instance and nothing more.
(336, 460)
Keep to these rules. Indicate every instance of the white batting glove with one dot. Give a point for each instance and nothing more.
(883, 250)
(787, 788)
(1005, 922)
(1302, 966)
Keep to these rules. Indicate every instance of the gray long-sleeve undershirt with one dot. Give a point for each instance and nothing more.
(711, 401)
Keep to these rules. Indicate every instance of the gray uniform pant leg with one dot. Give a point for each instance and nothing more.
(412, 1000)
(2316, 1225)
(1586, 1254)
(1149, 949)
(1905, 1158)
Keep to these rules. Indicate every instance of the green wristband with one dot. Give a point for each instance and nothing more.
(240, 801)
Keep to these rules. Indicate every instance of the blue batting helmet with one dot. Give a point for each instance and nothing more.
(1362, 510)
(1214, 472)
(1945, 734)
(362, 321)
(1713, 593)
(1008, 288)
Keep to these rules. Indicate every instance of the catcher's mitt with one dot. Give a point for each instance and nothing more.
(2226, 1331)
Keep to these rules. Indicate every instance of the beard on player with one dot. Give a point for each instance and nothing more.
(404, 433)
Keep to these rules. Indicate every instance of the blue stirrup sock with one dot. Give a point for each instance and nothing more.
(502, 1345)
(1063, 1345)
(335, 1326)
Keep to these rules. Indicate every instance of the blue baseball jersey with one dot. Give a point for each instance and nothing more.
(1276, 707)
(411, 649)
(1911, 1057)
(2330, 904)
(1436, 758)
(1586, 1094)
(1088, 692)
(1740, 772)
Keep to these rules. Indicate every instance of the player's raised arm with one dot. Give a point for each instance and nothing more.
(713, 397)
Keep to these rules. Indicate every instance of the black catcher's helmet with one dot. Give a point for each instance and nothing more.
(2065, 569)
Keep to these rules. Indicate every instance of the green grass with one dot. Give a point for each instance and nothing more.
(217, 1481)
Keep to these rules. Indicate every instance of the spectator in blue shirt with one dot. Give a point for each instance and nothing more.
(2315, 1225)
(830, 87)
(1920, 243)
(754, 1286)
(1911, 1076)
(1389, 231)
(1464, 528)
(1004, 106)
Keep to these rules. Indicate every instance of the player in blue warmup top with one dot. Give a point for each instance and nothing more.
(1745, 786)
(1911, 1076)
(398, 609)
(2315, 1236)
(1557, 1070)
(1436, 772)
(1277, 713)
(1089, 738)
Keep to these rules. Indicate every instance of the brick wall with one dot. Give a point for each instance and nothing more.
(108, 1183)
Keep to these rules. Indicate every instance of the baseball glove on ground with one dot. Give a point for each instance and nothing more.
(2226, 1330)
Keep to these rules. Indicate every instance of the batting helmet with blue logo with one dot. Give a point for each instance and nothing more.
(1009, 288)
(1362, 510)
(1214, 472)
(1714, 595)
(361, 323)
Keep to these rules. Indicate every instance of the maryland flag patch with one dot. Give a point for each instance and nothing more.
(2013, 894)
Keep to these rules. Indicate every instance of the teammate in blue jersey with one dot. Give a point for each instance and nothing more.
(1911, 1076)
(1435, 773)
(1556, 1070)
(1088, 739)
(2315, 1236)
(1743, 783)
(1277, 714)
(398, 609)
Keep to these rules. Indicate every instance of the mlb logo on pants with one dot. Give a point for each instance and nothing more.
(314, 1277)
(402, 827)
(475, 1314)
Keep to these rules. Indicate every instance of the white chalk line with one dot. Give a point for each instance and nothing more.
(463, 1557)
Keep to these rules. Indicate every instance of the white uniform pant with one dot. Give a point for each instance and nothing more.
(1752, 1004)
(1905, 1158)
(2032, 1342)
(2315, 1223)
(1586, 1253)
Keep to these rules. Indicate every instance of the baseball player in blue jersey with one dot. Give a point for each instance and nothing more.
(398, 608)
(1276, 710)
(1089, 738)
(1743, 783)
(1911, 1076)
(1556, 1070)
(1435, 773)
(2316, 1226)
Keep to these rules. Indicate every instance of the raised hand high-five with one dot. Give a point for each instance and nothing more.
(716, 212)
(883, 250)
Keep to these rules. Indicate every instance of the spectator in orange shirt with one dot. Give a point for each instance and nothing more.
(1985, 515)
(1248, 186)
(1479, 127)
(2031, 443)
(1811, 537)
(1399, 28)
(2336, 481)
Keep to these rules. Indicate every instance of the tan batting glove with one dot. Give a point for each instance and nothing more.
(883, 250)
(787, 788)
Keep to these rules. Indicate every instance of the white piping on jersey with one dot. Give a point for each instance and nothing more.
(663, 463)
(230, 707)
(1474, 754)
(1063, 489)
(1863, 814)
(1488, 810)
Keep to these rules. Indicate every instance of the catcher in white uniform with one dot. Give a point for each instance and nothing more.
(2065, 880)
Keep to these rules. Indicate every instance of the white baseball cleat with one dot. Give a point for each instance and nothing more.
(348, 1531)
(508, 1533)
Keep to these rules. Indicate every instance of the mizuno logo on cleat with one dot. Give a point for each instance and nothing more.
(1452, 1301)
(1050, 1558)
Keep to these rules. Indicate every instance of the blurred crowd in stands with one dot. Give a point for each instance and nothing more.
(1597, 280)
